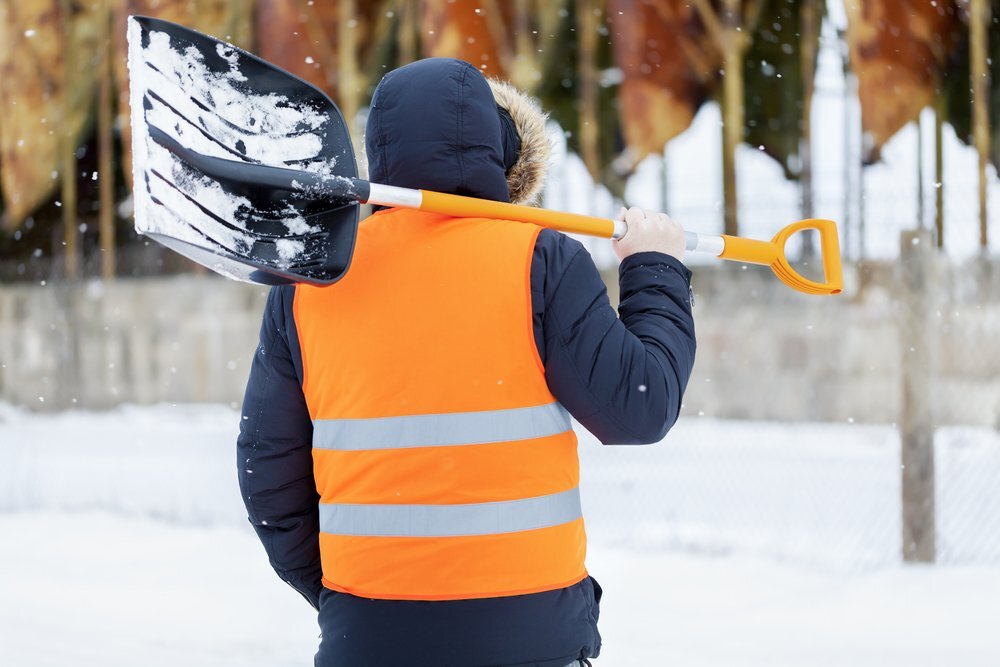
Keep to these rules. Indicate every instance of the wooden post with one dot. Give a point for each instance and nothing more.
(861, 215)
(733, 112)
(917, 338)
(810, 21)
(67, 153)
(730, 27)
(850, 95)
(501, 35)
(939, 112)
(409, 18)
(862, 252)
(979, 19)
(921, 213)
(106, 172)
(348, 81)
(327, 56)
(68, 199)
(664, 182)
(523, 72)
(586, 30)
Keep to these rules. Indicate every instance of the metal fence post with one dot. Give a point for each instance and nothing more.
(917, 333)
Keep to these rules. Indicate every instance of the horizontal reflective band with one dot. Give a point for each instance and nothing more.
(508, 516)
(457, 428)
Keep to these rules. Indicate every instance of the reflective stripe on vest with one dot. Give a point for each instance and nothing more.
(445, 467)
(506, 516)
(461, 428)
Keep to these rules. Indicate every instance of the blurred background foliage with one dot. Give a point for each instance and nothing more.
(622, 78)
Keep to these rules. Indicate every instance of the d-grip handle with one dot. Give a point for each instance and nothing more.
(772, 253)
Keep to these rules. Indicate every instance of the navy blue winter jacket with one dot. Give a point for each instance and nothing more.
(622, 377)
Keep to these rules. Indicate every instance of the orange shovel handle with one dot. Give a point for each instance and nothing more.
(471, 207)
(769, 253)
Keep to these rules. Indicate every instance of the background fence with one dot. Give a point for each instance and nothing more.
(733, 476)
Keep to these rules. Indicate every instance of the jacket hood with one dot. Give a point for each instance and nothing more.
(439, 124)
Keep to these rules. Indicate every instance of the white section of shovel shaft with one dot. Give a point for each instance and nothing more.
(390, 195)
(621, 229)
(713, 245)
(693, 242)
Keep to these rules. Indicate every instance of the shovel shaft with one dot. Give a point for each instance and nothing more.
(726, 247)
(458, 206)
(734, 248)
(437, 202)
(232, 208)
(751, 251)
(713, 245)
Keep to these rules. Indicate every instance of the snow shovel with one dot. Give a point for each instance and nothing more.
(249, 170)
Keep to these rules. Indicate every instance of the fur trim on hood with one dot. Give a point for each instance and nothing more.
(526, 177)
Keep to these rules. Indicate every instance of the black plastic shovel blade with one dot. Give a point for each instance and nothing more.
(194, 95)
(227, 264)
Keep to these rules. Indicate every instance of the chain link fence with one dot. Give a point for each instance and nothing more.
(790, 441)
(790, 444)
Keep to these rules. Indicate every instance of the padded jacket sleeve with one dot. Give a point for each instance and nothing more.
(622, 377)
(274, 453)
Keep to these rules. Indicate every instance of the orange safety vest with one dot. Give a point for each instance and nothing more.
(445, 467)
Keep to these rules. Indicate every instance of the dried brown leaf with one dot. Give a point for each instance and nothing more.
(470, 30)
(43, 104)
(669, 66)
(899, 50)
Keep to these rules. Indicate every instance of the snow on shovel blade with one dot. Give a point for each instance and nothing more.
(190, 92)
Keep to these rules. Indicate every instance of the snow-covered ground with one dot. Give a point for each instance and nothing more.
(731, 543)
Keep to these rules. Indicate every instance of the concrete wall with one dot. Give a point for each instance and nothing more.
(765, 352)
(96, 345)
